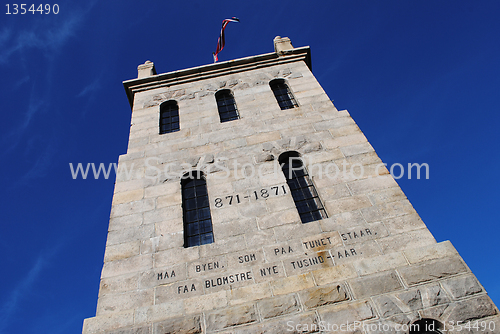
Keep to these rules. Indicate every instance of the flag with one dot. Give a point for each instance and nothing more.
(221, 42)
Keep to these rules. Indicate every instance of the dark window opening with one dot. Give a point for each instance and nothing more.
(226, 105)
(283, 95)
(169, 117)
(196, 211)
(303, 191)
(425, 326)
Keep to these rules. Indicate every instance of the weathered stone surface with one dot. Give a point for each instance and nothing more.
(398, 324)
(472, 309)
(334, 274)
(347, 204)
(372, 184)
(292, 231)
(387, 210)
(277, 306)
(108, 322)
(233, 316)
(130, 234)
(379, 263)
(122, 251)
(325, 295)
(430, 252)
(429, 271)
(424, 297)
(126, 266)
(249, 293)
(185, 325)
(292, 284)
(135, 330)
(132, 207)
(404, 223)
(263, 157)
(118, 284)
(312, 147)
(410, 239)
(344, 313)
(113, 303)
(157, 313)
(410, 301)
(375, 284)
(289, 216)
(207, 302)
(296, 323)
(462, 286)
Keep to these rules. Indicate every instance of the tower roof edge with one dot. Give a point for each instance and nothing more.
(217, 69)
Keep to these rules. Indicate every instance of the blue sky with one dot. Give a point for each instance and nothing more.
(421, 79)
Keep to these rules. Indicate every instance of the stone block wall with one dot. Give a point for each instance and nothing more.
(372, 260)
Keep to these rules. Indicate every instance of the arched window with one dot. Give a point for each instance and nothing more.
(283, 95)
(226, 105)
(425, 326)
(169, 117)
(196, 210)
(303, 191)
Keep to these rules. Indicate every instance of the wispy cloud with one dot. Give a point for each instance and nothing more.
(5, 36)
(20, 82)
(93, 86)
(48, 37)
(11, 304)
(12, 138)
(41, 165)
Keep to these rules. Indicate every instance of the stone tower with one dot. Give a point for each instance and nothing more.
(247, 203)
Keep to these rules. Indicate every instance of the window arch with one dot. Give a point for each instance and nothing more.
(303, 191)
(426, 326)
(196, 210)
(169, 117)
(283, 94)
(226, 105)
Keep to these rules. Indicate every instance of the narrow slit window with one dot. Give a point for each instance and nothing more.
(226, 105)
(283, 94)
(303, 191)
(169, 117)
(196, 211)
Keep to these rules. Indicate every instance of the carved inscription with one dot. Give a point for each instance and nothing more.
(229, 279)
(255, 195)
(290, 257)
(166, 274)
(283, 250)
(207, 266)
(306, 262)
(355, 235)
(247, 258)
(344, 253)
(181, 289)
(268, 271)
(317, 243)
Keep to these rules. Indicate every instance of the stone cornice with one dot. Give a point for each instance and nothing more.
(215, 70)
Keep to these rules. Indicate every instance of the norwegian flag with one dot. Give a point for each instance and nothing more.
(221, 42)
